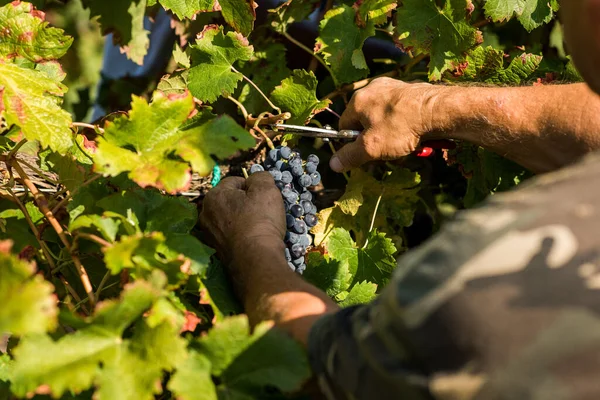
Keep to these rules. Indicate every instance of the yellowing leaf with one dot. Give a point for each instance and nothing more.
(28, 305)
(25, 33)
(155, 146)
(31, 100)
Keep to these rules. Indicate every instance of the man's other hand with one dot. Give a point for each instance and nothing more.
(393, 115)
(239, 212)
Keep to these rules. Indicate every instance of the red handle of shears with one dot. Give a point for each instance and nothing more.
(430, 146)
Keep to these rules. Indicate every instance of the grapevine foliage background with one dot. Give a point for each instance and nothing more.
(106, 290)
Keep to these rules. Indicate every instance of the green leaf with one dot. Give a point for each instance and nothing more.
(290, 12)
(374, 12)
(73, 168)
(341, 40)
(443, 32)
(174, 84)
(531, 13)
(239, 14)
(361, 293)
(297, 95)
(145, 143)
(28, 305)
(192, 379)
(330, 275)
(25, 33)
(14, 226)
(125, 366)
(247, 362)
(125, 20)
(216, 291)
(188, 8)
(486, 64)
(373, 263)
(31, 100)
(213, 57)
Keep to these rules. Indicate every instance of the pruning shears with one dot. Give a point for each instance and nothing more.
(347, 134)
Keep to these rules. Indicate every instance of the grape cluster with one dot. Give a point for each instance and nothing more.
(293, 177)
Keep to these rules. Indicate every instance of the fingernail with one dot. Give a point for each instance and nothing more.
(335, 164)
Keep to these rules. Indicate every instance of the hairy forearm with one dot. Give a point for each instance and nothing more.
(542, 127)
(270, 290)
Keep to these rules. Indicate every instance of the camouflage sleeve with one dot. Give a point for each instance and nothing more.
(502, 304)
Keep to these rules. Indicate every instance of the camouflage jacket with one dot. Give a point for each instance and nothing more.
(503, 303)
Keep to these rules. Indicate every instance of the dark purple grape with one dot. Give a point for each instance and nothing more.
(256, 168)
(296, 210)
(298, 251)
(280, 165)
(311, 220)
(300, 227)
(275, 173)
(291, 196)
(288, 255)
(285, 152)
(298, 261)
(280, 185)
(301, 269)
(268, 164)
(297, 170)
(292, 266)
(306, 195)
(291, 237)
(311, 168)
(305, 240)
(316, 178)
(286, 177)
(312, 158)
(306, 206)
(273, 154)
(314, 210)
(296, 161)
(290, 221)
(306, 180)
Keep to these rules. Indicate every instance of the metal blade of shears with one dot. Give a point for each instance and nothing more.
(310, 131)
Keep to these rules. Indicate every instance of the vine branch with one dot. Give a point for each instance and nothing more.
(273, 106)
(42, 204)
(85, 125)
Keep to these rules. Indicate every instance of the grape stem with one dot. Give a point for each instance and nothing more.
(309, 51)
(42, 204)
(245, 172)
(85, 125)
(239, 105)
(373, 218)
(268, 119)
(273, 106)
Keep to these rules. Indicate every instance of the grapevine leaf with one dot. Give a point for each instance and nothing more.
(531, 13)
(174, 84)
(331, 276)
(246, 362)
(444, 32)
(341, 40)
(143, 253)
(373, 263)
(181, 57)
(73, 168)
(216, 291)
(361, 293)
(27, 302)
(99, 352)
(25, 33)
(107, 227)
(297, 94)
(267, 69)
(374, 12)
(354, 210)
(486, 64)
(239, 14)
(125, 20)
(144, 143)
(291, 11)
(192, 379)
(31, 100)
(213, 57)
(187, 8)
(14, 226)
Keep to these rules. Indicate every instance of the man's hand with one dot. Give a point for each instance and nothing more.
(393, 115)
(241, 211)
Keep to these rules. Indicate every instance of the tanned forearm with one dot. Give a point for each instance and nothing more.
(270, 290)
(542, 127)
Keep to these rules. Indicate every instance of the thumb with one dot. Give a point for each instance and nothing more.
(350, 156)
